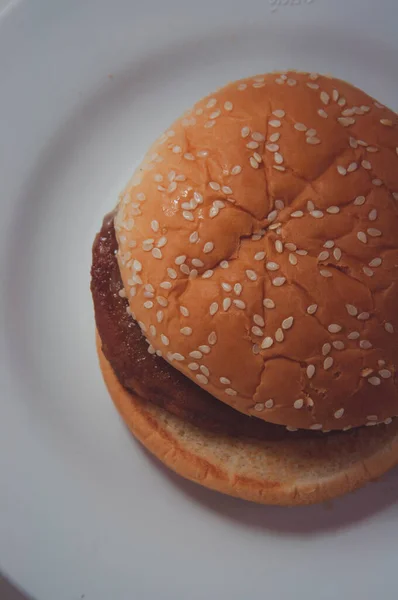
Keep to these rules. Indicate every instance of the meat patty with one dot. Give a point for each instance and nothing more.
(149, 376)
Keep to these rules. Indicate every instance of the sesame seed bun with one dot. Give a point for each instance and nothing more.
(258, 248)
(284, 472)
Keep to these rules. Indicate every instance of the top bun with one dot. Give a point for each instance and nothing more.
(258, 247)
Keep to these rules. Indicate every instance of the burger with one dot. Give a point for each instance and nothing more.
(245, 291)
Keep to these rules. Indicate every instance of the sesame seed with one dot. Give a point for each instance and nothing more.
(279, 246)
(180, 259)
(253, 162)
(313, 86)
(162, 242)
(208, 247)
(189, 156)
(353, 143)
(245, 131)
(352, 310)
(377, 182)
(374, 232)
(197, 262)
(316, 426)
(242, 87)
(172, 273)
(179, 357)
(328, 244)
(363, 316)
(215, 186)
(367, 271)
(278, 281)
(334, 328)
(333, 210)
(226, 304)
(272, 266)
(354, 335)
(274, 123)
(337, 254)
(228, 106)
(209, 124)
(269, 403)
(386, 122)
(322, 113)
(362, 237)
(212, 339)
(162, 301)
(328, 363)
(236, 170)
(267, 343)
(287, 323)
(365, 345)
(297, 213)
(278, 158)
(346, 121)
(385, 373)
(184, 311)
(148, 304)
(366, 165)
(342, 170)
(389, 327)
(213, 308)
(324, 255)
(326, 348)
(376, 262)
(159, 316)
(156, 253)
(299, 403)
(238, 289)
(372, 149)
(268, 303)
(166, 285)
(151, 349)
(251, 275)
(342, 101)
(258, 320)
(226, 287)
(205, 370)
(259, 407)
(310, 371)
(215, 114)
(374, 381)
(252, 145)
(188, 216)
(359, 200)
(274, 137)
(279, 335)
(198, 197)
(207, 274)
(196, 354)
(240, 304)
(339, 413)
(300, 127)
(314, 141)
(257, 331)
(325, 273)
(165, 339)
(186, 330)
(202, 379)
(325, 98)
(225, 381)
(147, 245)
(311, 310)
(231, 392)
(338, 345)
(259, 256)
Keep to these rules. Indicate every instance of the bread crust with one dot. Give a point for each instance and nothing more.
(296, 472)
(257, 245)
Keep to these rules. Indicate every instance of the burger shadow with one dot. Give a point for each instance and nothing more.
(342, 513)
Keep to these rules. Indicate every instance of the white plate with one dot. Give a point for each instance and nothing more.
(84, 511)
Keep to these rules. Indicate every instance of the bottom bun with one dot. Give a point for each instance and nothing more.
(286, 472)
